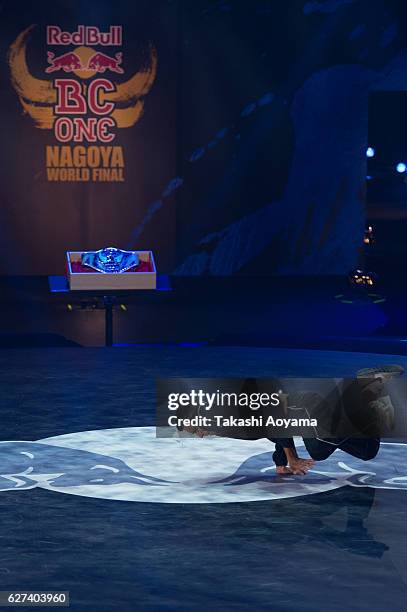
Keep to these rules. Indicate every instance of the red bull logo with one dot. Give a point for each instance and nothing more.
(68, 62)
(98, 62)
(102, 62)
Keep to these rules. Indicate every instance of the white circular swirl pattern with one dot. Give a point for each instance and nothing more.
(131, 464)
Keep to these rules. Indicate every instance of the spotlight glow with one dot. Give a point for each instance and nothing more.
(368, 238)
(370, 152)
(401, 167)
(361, 278)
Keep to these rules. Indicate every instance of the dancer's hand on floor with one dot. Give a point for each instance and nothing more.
(283, 470)
(297, 466)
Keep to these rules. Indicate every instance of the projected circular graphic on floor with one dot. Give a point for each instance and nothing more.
(132, 464)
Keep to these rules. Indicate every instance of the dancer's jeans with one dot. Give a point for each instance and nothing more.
(362, 448)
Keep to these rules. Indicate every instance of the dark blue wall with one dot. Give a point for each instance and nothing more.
(281, 189)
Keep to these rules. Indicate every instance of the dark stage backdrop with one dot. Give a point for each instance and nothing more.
(249, 157)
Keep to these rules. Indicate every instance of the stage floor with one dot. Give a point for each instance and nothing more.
(124, 521)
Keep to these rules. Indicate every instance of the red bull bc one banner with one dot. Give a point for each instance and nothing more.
(88, 130)
(81, 102)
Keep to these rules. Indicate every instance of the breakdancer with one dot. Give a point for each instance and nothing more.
(372, 394)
